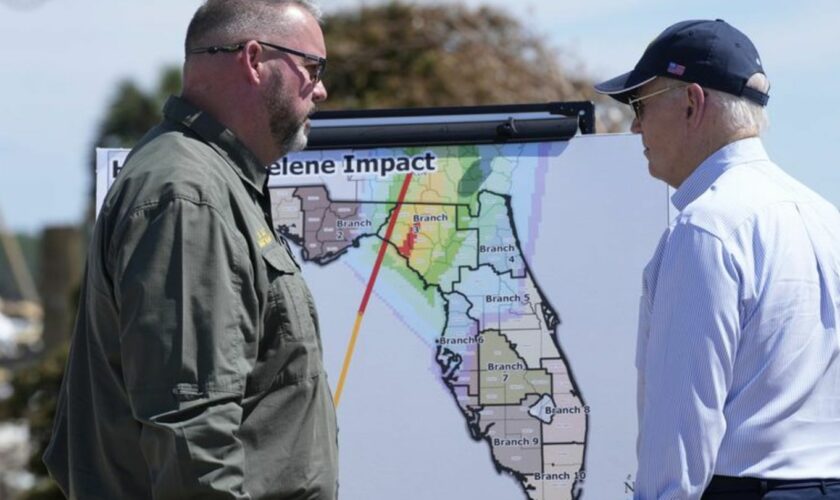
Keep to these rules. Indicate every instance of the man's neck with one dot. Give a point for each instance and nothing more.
(243, 124)
(710, 142)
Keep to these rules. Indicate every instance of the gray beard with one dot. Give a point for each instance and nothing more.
(288, 135)
(296, 141)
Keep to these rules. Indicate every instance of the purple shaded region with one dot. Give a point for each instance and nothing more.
(314, 202)
(330, 227)
(546, 151)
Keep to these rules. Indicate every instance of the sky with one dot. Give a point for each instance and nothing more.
(62, 62)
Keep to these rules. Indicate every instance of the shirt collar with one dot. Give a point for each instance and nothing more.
(734, 153)
(220, 138)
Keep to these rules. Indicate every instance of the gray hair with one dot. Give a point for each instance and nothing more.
(741, 115)
(221, 22)
(738, 115)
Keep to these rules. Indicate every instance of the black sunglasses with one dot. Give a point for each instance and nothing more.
(316, 66)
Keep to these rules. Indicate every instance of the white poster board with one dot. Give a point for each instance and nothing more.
(495, 357)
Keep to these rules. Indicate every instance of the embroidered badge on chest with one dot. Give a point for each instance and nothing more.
(263, 237)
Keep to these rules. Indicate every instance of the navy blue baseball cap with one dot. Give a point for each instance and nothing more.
(712, 54)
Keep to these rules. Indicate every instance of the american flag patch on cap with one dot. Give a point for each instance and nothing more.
(676, 69)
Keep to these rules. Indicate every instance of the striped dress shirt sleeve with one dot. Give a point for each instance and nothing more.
(686, 371)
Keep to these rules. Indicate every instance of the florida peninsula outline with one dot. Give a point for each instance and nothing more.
(497, 352)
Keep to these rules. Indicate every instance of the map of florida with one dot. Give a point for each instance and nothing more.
(497, 352)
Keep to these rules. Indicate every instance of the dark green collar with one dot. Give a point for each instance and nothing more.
(243, 161)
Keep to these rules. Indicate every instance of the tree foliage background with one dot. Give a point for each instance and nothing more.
(401, 55)
(381, 56)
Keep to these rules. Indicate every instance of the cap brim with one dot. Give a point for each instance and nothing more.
(621, 87)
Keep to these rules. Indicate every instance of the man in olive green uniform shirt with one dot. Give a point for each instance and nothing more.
(196, 364)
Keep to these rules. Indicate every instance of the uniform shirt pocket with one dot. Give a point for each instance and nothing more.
(290, 305)
(290, 350)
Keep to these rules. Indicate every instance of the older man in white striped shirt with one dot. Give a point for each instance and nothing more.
(738, 350)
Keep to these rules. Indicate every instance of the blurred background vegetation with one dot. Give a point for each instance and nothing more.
(381, 56)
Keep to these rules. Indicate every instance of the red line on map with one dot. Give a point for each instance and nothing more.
(384, 247)
(351, 346)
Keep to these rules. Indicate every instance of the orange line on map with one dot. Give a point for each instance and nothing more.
(351, 346)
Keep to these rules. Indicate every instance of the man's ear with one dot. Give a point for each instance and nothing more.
(696, 104)
(250, 62)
